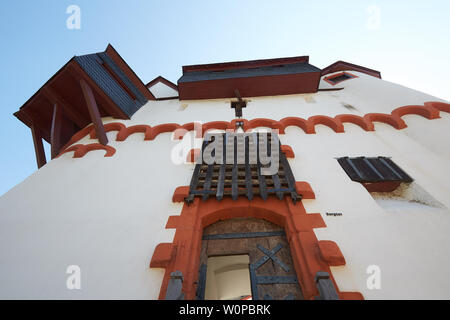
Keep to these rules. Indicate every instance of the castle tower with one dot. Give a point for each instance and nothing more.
(264, 179)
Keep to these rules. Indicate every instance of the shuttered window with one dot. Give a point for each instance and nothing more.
(335, 79)
(372, 170)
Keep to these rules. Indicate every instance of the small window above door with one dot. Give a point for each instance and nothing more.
(339, 77)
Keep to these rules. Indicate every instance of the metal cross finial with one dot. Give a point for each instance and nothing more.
(238, 105)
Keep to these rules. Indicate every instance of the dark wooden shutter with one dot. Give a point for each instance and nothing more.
(378, 169)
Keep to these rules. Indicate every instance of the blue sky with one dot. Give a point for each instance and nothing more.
(408, 41)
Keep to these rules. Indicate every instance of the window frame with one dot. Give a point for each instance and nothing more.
(329, 79)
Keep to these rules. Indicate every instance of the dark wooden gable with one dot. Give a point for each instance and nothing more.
(85, 89)
(241, 178)
(267, 77)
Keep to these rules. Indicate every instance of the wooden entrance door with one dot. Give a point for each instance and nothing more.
(271, 269)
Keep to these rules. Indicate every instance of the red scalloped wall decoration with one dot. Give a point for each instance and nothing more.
(441, 106)
(81, 149)
(268, 123)
(429, 110)
(426, 111)
(113, 126)
(390, 119)
(334, 124)
(360, 121)
(303, 124)
(142, 128)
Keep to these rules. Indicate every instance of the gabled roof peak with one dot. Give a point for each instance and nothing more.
(343, 66)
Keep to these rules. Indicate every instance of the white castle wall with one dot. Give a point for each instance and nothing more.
(409, 243)
(366, 93)
(108, 214)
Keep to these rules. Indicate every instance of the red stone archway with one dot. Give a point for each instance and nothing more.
(309, 255)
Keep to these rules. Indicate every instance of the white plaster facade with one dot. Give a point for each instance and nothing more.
(162, 90)
(108, 214)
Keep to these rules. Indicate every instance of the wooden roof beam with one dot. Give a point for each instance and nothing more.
(31, 118)
(69, 110)
(94, 112)
(38, 146)
(55, 133)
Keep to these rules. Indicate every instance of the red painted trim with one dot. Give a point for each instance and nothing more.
(331, 253)
(305, 190)
(82, 149)
(304, 124)
(328, 79)
(124, 132)
(180, 193)
(191, 126)
(351, 296)
(173, 222)
(78, 136)
(179, 133)
(342, 66)
(185, 250)
(342, 118)
(327, 121)
(113, 126)
(425, 111)
(394, 121)
(215, 125)
(268, 123)
(244, 122)
(287, 150)
(308, 221)
(430, 111)
(384, 186)
(162, 255)
(193, 155)
(249, 86)
(441, 106)
(162, 128)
